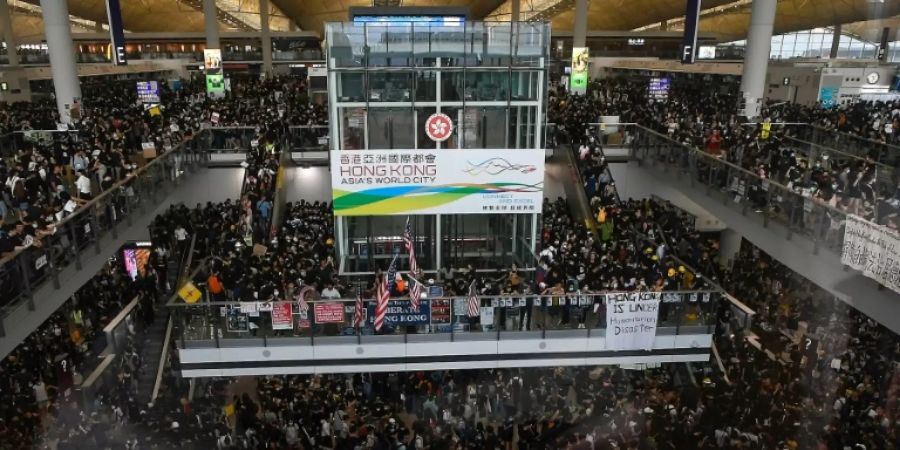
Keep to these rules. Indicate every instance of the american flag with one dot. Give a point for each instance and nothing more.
(383, 294)
(301, 298)
(415, 291)
(473, 304)
(358, 314)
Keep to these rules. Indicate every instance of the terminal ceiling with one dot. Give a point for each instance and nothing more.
(727, 18)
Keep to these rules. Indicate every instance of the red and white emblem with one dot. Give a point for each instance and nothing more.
(439, 127)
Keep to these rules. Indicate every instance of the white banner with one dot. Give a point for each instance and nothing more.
(873, 250)
(631, 321)
(429, 181)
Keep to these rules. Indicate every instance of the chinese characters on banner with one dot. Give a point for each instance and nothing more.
(329, 312)
(390, 182)
(631, 321)
(873, 250)
(281, 316)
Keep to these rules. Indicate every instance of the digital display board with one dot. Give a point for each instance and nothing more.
(148, 91)
(446, 21)
(580, 64)
(659, 87)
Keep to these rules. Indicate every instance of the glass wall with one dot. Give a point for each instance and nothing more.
(488, 78)
(815, 43)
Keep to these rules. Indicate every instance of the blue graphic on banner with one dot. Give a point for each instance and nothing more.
(828, 96)
(399, 313)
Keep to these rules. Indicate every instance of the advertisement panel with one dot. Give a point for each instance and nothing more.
(394, 182)
(579, 78)
(212, 65)
(212, 61)
(329, 312)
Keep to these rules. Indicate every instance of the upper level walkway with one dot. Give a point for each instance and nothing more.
(799, 231)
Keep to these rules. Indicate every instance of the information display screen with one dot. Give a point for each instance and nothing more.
(659, 87)
(446, 21)
(148, 91)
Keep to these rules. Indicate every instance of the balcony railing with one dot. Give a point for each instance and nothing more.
(73, 237)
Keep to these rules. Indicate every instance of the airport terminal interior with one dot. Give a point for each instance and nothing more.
(450, 225)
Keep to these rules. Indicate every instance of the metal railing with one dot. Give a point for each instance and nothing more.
(222, 324)
(67, 242)
(799, 212)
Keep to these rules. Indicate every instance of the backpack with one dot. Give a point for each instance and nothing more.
(214, 285)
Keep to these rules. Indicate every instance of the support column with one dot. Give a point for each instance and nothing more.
(579, 35)
(882, 54)
(58, 33)
(835, 42)
(756, 58)
(8, 37)
(211, 23)
(266, 37)
(516, 10)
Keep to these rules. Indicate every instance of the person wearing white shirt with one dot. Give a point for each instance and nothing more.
(330, 291)
(83, 186)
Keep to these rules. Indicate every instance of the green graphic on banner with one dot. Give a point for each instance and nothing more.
(215, 83)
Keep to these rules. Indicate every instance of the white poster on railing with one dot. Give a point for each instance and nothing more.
(631, 321)
(429, 181)
(872, 249)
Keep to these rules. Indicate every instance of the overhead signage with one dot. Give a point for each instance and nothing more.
(873, 250)
(579, 78)
(212, 65)
(148, 92)
(116, 32)
(631, 321)
(689, 41)
(393, 182)
(439, 127)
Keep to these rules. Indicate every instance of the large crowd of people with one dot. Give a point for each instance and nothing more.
(707, 119)
(812, 374)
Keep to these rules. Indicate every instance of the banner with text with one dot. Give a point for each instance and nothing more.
(873, 250)
(391, 182)
(631, 321)
(400, 313)
(282, 318)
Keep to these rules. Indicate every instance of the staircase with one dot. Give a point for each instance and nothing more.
(152, 340)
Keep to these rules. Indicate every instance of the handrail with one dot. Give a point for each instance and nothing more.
(95, 375)
(853, 136)
(121, 316)
(840, 152)
(480, 297)
(115, 187)
(740, 169)
(162, 360)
